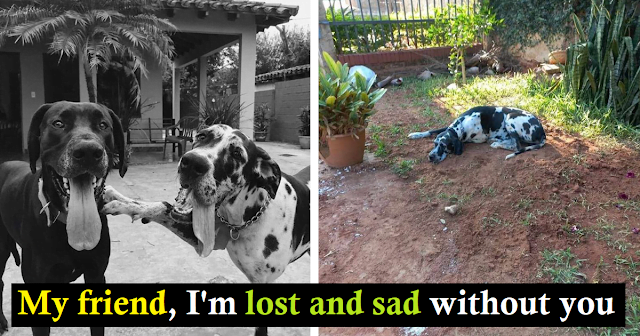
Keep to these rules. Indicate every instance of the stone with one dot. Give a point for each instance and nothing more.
(426, 75)
(452, 210)
(473, 70)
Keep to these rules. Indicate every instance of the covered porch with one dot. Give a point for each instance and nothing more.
(207, 27)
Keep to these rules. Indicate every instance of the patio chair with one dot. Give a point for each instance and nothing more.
(179, 135)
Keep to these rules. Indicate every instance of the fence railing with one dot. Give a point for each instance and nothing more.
(364, 26)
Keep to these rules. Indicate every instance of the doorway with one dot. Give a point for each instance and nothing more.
(10, 103)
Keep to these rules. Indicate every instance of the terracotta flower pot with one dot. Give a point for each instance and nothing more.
(558, 57)
(344, 150)
(260, 136)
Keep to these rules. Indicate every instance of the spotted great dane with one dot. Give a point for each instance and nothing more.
(234, 196)
(508, 127)
(53, 212)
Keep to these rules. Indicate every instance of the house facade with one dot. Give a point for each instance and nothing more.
(203, 28)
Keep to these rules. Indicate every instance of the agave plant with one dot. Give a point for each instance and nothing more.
(345, 101)
(224, 110)
(603, 67)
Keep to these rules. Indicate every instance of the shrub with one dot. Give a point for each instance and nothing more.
(459, 29)
(223, 110)
(305, 119)
(345, 101)
(529, 22)
(262, 118)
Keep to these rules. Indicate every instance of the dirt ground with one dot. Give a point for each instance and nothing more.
(377, 226)
(151, 254)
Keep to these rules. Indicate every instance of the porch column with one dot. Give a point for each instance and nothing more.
(202, 82)
(247, 81)
(175, 102)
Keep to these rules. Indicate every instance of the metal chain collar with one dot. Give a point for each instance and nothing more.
(236, 229)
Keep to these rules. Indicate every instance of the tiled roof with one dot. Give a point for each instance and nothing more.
(248, 7)
(283, 74)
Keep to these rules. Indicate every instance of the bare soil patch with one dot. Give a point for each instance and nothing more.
(378, 224)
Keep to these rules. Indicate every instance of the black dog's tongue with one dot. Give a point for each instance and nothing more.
(83, 220)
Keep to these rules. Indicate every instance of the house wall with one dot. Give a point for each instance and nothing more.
(290, 97)
(151, 92)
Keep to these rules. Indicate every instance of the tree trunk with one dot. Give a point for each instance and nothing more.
(88, 75)
(326, 40)
(464, 70)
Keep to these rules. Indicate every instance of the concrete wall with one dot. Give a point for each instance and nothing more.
(290, 98)
(151, 92)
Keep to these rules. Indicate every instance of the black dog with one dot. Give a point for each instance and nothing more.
(54, 213)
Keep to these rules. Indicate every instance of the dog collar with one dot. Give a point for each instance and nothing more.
(234, 230)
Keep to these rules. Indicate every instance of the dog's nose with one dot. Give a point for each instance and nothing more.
(88, 152)
(193, 165)
(431, 157)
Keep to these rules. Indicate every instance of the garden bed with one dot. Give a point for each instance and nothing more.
(564, 213)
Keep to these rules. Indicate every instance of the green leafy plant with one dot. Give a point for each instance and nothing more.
(305, 119)
(603, 67)
(345, 101)
(460, 29)
(262, 118)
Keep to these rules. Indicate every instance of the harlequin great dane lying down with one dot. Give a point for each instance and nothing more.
(509, 128)
(233, 196)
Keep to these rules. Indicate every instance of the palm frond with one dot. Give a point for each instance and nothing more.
(35, 31)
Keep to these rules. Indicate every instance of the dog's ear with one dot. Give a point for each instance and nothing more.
(33, 137)
(268, 172)
(457, 146)
(118, 137)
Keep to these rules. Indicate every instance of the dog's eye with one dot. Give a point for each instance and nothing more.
(201, 136)
(103, 125)
(58, 124)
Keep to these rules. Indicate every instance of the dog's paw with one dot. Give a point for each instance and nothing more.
(510, 156)
(114, 208)
(495, 145)
(111, 194)
(418, 135)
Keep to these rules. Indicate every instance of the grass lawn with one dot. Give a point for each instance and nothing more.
(547, 99)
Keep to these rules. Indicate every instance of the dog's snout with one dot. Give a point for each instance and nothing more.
(193, 165)
(88, 152)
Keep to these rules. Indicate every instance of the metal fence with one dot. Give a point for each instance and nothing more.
(363, 26)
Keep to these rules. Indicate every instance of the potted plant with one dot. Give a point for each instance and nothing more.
(261, 122)
(305, 128)
(345, 103)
